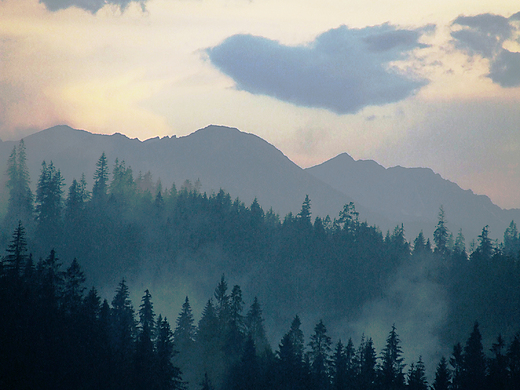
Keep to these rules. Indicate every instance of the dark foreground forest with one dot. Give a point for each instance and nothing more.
(56, 334)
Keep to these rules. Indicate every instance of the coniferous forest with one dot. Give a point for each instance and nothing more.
(56, 333)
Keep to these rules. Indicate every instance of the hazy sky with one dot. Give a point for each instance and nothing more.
(411, 83)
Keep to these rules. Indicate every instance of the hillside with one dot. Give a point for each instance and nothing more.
(413, 196)
(220, 157)
(247, 167)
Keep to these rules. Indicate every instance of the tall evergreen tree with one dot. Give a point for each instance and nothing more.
(169, 376)
(13, 263)
(20, 206)
(100, 188)
(145, 360)
(474, 362)
(457, 364)
(339, 368)
(417, 376)
(497, 373)
(442, 376)
(511, 240)
(320, 344)
(513, 363)
(391, 370)
(441, 234)
(305, 213)
(74, 278)
(49, 205)
(184, 341)
(123, 334)
(254, 323)
(366, 363)
(484, 251)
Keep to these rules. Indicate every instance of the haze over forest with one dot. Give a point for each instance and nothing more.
(355, 231)
(227, 206)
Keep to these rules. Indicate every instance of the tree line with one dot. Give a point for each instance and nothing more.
(125, 223)
(56, 335)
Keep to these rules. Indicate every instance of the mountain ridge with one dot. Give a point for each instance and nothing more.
(248, 167)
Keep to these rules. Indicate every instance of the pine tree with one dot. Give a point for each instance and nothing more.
(184, 340)
(144, 364)
(49, 205)
(254, 323)
(305, 213)
(457, 364)
(497, 375)
(474, 363)
(484, 251)
(513, 363)
(209, 345)
(235, 326)
(123, 334)
(511, 240)
(442, 376)
(168, 376)
(320, 344)
(76, 200)
(391, 370)
(100, 188)
(297, 338)
(366, 362)
(441, 234)
(417, 376)
(20, 206)
(339, 368)
(74, 288)
(13, 264)
(184, 334)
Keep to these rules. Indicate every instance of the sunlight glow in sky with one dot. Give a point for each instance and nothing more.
(411, 83)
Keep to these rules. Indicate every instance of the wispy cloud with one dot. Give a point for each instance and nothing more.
(485, 35)
(342, 70)
(89, 5)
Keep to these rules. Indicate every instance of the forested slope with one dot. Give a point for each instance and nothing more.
(182, 240)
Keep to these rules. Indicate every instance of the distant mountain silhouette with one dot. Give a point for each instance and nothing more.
(220, 157)
(246, 166)
(414, 196)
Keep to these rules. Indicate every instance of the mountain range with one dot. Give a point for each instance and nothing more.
(248, 167)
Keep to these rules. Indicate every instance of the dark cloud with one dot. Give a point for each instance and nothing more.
(89, 5)
(485, 35)
(343, 70)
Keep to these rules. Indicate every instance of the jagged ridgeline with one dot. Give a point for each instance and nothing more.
(178, 241)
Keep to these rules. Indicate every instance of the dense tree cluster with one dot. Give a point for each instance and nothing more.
(54, 335)
(333, 265)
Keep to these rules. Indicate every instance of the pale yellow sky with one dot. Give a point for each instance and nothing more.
(147, 74)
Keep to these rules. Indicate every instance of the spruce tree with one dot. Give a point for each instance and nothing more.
(169, 377)
(145, 359)
(442, 376)
(20, 205)
(100, 188)
(320, 344)
(417, 376)
(49, 205)
(441, 234)
(13, 263)
(474, 363)
(391, 370)
(254, 323)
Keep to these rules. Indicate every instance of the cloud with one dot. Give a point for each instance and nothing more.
(342, 70)
(485, 35)
(89, 5)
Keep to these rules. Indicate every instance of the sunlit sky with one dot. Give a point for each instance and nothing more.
(412, 83)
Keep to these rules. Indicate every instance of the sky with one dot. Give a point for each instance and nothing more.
(411, 83)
